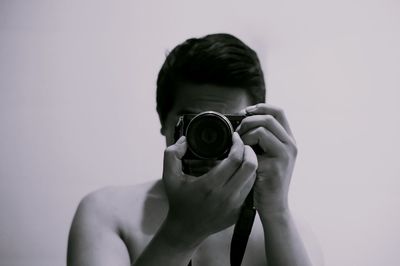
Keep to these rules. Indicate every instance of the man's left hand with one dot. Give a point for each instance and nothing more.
(267, 127)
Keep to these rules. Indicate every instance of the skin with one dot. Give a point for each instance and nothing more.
(184, 217)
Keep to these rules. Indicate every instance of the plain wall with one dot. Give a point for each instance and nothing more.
(77, 111)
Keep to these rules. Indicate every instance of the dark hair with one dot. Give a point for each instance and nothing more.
(218, 59)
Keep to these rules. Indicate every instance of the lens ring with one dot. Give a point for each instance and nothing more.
(218, 128)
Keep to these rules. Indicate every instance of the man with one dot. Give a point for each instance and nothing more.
(190, 216)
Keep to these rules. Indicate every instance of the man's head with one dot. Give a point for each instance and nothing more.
(217, 72)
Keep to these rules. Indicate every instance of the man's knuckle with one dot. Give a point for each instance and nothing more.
(249, 164)
(294, 149)
(244, 124)
(289, 152)
(286, 154)
(261, 131)
(169, 149)
(236, 159)
(279, 110)
(268, 118)
(257, 131)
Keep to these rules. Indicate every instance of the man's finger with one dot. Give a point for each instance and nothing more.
(173, 156)
(245, 175)
(267, 121)
(263, 108)
(267, 141)
(218, 175)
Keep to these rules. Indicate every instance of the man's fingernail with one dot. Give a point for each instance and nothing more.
(251, 109)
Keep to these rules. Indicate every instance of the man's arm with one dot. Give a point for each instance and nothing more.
(92, 240)
(283, 243)
(268, 128)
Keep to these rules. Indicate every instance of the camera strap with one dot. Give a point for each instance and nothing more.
(242, 230)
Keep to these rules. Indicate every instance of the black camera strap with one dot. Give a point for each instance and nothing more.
(242, 230)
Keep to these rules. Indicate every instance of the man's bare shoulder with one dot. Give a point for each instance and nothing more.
(112, 223)
(116, 205)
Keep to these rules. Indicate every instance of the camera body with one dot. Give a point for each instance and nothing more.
(208, 134)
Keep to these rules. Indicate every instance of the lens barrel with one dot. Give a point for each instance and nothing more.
(209, 135)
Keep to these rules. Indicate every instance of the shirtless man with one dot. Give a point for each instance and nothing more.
(184, 218)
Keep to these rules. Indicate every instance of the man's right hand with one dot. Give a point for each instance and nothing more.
(201, 206)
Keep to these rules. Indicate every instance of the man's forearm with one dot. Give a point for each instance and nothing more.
(168, 247)
(283, 245)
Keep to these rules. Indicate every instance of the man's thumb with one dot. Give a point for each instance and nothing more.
(173, 156)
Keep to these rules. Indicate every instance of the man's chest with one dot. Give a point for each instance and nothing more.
(213, 251)
(141, 217)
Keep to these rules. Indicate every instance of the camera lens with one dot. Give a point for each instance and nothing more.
(209, 135)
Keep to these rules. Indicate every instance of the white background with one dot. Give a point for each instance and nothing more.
(77, 111)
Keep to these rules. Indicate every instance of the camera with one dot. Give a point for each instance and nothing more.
(208, 134)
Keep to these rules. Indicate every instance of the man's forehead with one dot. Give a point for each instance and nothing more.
(199, 98)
